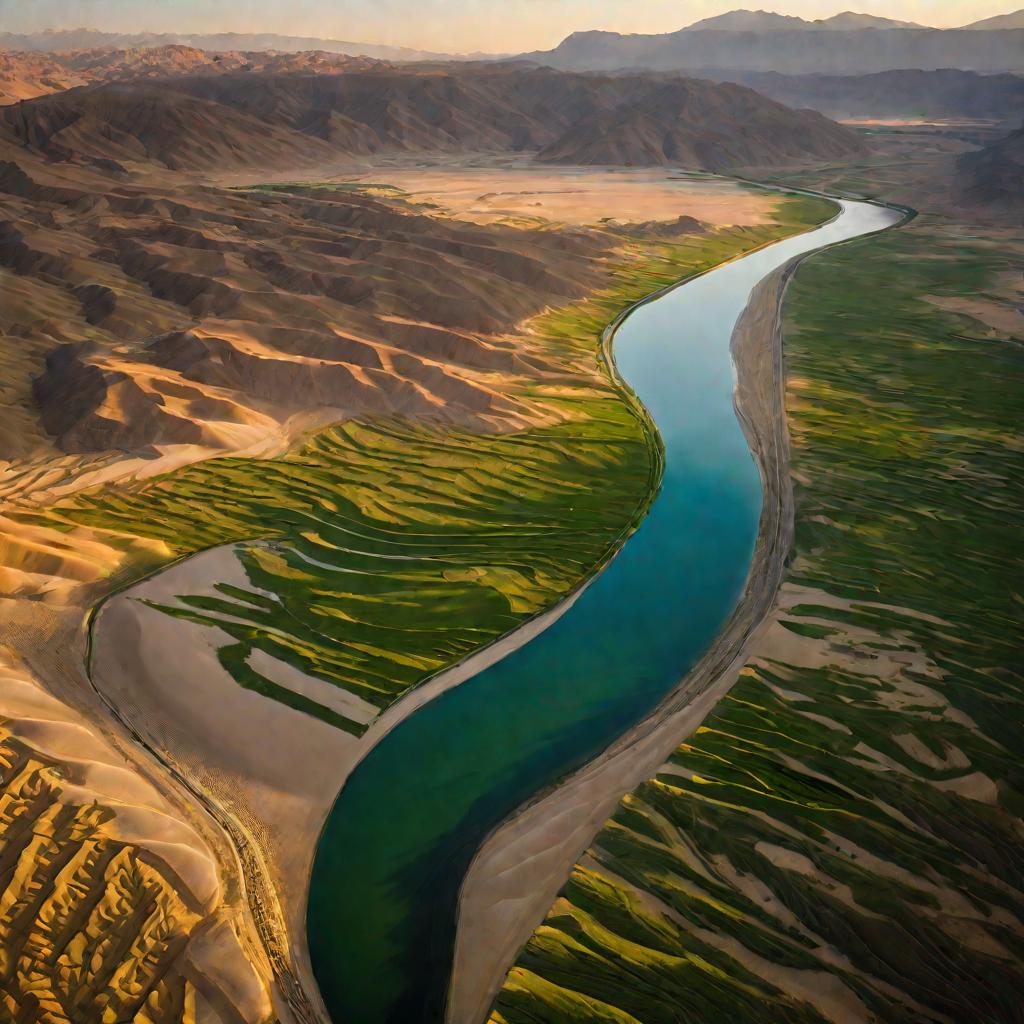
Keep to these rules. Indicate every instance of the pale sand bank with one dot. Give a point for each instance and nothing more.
(576, 195)
(273, 770)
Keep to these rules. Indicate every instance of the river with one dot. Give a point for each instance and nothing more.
(399, 839)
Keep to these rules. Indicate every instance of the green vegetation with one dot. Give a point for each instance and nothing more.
(394, 550)
(380, 553)
(843, 833)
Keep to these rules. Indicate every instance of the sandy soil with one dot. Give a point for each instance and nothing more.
(576, 195)
(87, 769)
(497, 189)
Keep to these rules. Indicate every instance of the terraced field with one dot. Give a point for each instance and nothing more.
(381, 551)
(841, 839)
(396, 551)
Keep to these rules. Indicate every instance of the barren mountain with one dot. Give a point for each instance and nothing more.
(767, 21)
(25, 74)
(855, 20)
(993, 177)
(684, 122)
(204, 122)
(151, 123)
(1000, 21)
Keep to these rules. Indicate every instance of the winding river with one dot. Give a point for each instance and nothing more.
(383, 898)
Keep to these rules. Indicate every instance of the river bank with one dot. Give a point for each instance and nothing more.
(519, 870)
(163, 675)
(379, 912)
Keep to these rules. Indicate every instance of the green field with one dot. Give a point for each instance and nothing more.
(381, 552)
(843, 834)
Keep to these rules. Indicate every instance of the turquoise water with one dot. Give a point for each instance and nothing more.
(400, 837)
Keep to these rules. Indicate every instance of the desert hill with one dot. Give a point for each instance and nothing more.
(201, 122)
(26, 74)
(210, 316)
(143, 122)
(162, 311)
(993, 177)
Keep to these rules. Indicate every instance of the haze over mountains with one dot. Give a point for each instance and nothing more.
(910, 93)
(1012, 20)
(55, 41)
(768, 21)
(909, 45)
(848, 43)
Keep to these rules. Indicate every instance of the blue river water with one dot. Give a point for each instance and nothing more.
(399, 839)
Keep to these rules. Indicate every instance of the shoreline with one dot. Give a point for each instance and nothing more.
(517, 872)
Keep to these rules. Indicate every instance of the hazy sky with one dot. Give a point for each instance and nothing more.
(445, 25)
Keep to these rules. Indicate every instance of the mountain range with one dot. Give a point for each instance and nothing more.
(205, 122)
(768, 21)
(848, 43)
(56, 41)
(945, 93)
(26, 74)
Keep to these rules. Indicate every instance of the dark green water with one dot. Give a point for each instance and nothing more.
(400, 837)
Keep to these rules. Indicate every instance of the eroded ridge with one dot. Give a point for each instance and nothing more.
(110, 906)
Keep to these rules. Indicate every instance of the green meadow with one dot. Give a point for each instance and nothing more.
(841, 837)
(378, 553)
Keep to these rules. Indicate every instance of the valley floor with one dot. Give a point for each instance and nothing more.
(325, 584)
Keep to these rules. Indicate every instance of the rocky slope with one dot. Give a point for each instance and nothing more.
(687, 123)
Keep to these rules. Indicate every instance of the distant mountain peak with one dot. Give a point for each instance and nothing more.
(1015, 19)
(748, 21)
(853, 20)
(769, 21)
